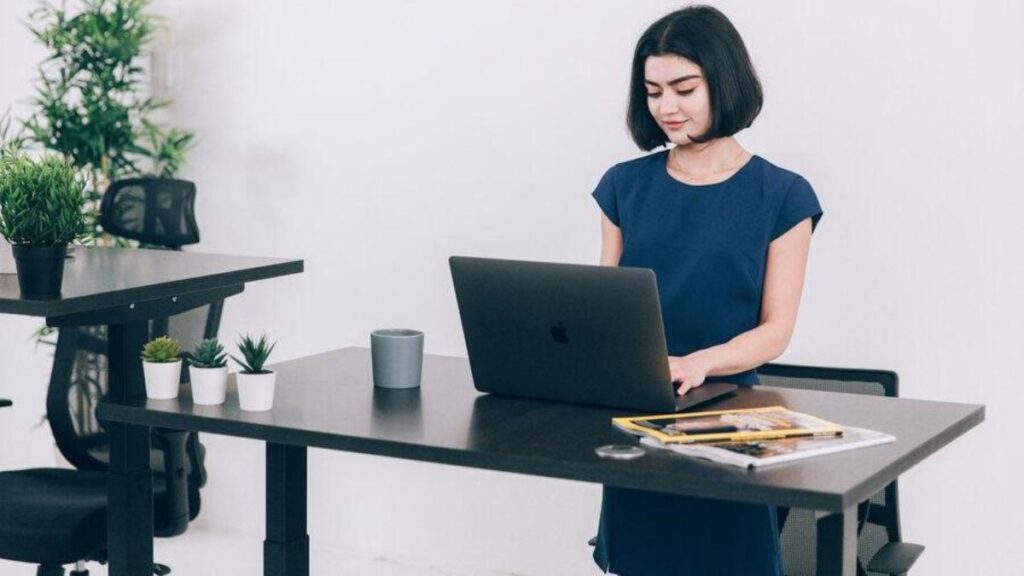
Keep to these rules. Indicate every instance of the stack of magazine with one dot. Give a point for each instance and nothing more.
(749, 438)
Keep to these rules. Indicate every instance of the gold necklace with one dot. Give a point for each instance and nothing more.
(689, 177)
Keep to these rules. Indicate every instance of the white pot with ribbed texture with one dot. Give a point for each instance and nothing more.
(208, 385)
(256, 391)
(7, 265)
(162, 379)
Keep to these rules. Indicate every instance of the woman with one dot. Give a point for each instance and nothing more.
(727, 234)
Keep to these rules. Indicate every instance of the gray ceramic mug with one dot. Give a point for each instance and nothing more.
(397, 357)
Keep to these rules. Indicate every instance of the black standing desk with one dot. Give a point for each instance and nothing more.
(124, 289)
(328, 401)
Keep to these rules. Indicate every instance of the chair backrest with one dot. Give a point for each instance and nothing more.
(158, 212)
(879, 518)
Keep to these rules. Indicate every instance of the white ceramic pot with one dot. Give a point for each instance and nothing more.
(7, 265)
(256, 391)
(162, 379)
(208, 385)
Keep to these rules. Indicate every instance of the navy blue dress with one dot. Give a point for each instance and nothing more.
(708, 247)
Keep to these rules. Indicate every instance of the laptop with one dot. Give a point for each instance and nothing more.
(569, 333)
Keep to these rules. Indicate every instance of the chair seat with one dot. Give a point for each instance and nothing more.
(53, 515)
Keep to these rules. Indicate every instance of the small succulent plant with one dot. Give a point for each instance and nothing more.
(161, 350)
(208, 353)
(255, 353)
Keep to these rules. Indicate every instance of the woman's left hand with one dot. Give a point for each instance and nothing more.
(688, 371)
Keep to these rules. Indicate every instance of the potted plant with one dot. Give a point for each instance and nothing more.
(208, 372)
(41, 205)
(6, 257)
(255, 383)
(161, 364)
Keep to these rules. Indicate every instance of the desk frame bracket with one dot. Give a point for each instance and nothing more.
(146, 310)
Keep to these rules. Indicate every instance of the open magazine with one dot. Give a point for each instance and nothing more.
(758, 453)
(727, 425)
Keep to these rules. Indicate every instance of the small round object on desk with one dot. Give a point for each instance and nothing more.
(620, 451)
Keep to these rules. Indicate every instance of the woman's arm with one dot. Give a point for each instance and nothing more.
(611, 242)
(783, 285)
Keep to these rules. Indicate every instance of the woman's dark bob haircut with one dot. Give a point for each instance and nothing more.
(704, 36)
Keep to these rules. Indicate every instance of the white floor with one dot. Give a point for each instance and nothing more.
(201, 553)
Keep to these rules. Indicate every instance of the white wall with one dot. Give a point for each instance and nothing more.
(376, 139)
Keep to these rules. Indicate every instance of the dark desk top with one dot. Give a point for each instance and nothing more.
(99, 278)
(329, 401)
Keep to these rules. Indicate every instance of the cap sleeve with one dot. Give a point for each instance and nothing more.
(798, 203)
(606, 197)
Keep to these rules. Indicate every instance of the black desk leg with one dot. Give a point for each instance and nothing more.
(286, 549)
(837, 544)
(130, 481)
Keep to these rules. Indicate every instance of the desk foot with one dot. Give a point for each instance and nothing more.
(286, 549)
(286, 558)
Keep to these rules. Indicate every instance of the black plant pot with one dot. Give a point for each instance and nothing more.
(40, 270)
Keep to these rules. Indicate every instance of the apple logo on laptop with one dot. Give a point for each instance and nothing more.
(559, 333)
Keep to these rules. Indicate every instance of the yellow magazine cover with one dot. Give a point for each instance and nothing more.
(728, 425)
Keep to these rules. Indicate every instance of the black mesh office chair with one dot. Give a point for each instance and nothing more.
(53, 517)
(881, 549)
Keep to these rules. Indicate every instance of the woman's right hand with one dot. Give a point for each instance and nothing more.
(688, 371)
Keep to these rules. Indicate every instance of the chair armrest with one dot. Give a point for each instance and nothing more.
(171, 444)
(895, 558)
(4, 402)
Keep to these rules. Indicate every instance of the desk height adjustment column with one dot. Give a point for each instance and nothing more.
(286, 549)
(130, 484)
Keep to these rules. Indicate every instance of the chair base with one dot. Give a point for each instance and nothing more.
(895, 558)
(81, 570)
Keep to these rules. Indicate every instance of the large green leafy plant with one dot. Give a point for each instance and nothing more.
(91, 98)
(92, 104)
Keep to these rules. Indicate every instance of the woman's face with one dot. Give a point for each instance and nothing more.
(677, 96)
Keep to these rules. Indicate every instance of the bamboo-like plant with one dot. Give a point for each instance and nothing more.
(92, 104)
(91, 98)
(10, 141)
